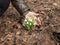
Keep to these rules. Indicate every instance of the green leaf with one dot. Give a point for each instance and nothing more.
(28, 27)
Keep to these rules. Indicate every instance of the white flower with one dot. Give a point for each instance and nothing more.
(25, 20)
(27, 23)
(30, 24)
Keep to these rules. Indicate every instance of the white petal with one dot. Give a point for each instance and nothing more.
(30, 24)
(25, 20)
(27, 23)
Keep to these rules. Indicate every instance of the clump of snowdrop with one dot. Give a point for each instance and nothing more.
(29, 24)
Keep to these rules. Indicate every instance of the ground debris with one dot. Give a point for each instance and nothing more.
(13, 33)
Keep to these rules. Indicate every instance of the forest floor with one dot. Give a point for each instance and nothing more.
(13, 33)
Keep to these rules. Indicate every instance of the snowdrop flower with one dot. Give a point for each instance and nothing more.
(30, 24)
(25, 20)
(27, 23)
